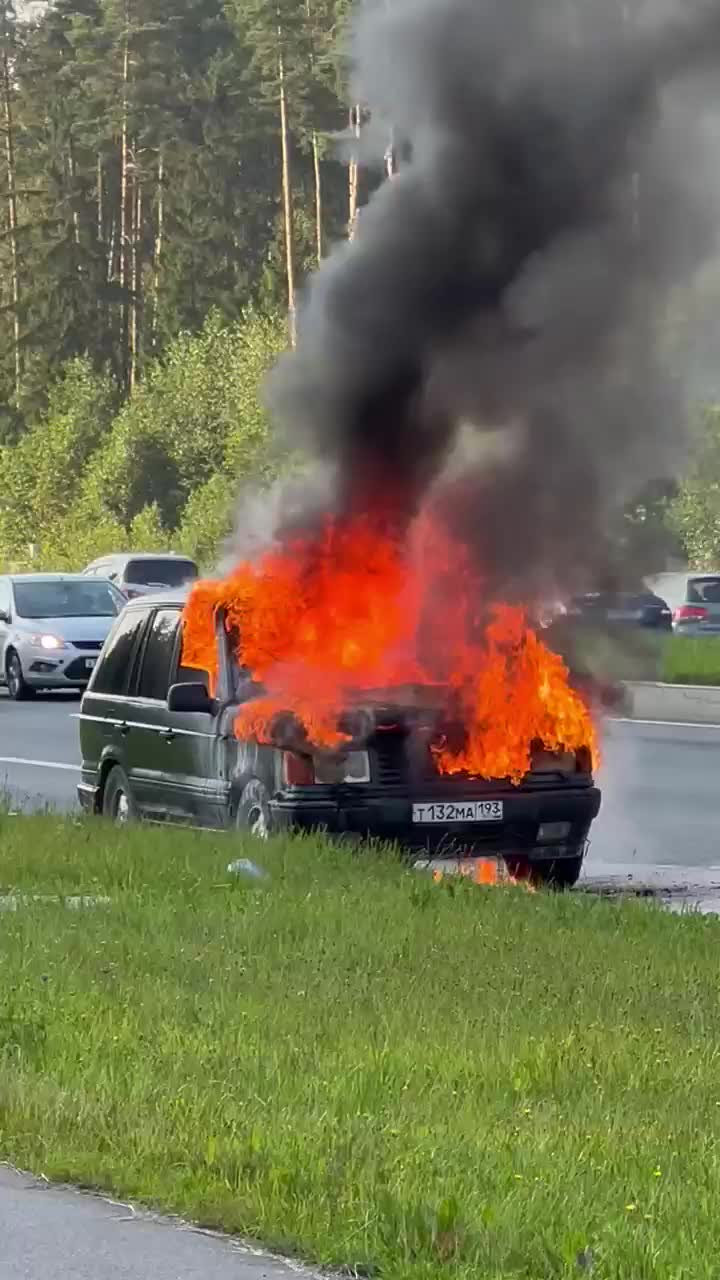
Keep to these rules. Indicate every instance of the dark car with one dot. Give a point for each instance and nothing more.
(155, 745)
(622, 608)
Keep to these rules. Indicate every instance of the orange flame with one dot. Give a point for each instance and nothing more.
(323, 618)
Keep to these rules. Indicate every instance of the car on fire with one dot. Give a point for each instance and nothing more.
(156, 744)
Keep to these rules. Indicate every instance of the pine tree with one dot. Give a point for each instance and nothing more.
(8, 54)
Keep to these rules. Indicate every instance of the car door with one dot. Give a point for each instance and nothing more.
(105, 734)
(172, 762)
(5, 619)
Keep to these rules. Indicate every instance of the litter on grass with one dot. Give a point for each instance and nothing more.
(75, 902)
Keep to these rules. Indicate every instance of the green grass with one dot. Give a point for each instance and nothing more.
(354, 1064)
(691, 660)
(635, 654)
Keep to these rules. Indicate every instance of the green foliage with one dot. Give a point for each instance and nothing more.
(147, 167)
(162, 469)
(695, 512)
(42, 472)
(207, 519)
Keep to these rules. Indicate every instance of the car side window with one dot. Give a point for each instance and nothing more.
(113, 670)
(158, 655)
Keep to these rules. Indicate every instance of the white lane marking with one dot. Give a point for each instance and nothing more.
(670, 724)
(40, 764)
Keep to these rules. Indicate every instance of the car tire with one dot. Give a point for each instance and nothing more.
(253, 814)
(117, 801)
(547, 873)
(18, 688)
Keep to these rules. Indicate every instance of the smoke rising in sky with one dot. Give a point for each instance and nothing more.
(489, 341)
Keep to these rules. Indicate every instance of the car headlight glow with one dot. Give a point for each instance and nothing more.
(46, 641)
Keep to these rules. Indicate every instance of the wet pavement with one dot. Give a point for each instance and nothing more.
(658, 831)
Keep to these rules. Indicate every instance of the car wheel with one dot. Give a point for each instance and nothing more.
(117, 801)
(253, 810)
(547, 873)
(18, 688)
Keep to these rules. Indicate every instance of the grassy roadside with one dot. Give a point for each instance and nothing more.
(629, 653)
(358, 1065)
(689, 660)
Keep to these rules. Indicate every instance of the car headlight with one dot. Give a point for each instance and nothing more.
(46, 641)
(553, 762)
(303, 771)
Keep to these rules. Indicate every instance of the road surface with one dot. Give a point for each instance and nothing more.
(661, 788)
(49, 1233)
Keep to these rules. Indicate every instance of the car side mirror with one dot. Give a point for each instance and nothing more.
(190, 697)
(5, 616)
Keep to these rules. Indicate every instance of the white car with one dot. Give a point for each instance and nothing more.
(52, 628)
(142, 573)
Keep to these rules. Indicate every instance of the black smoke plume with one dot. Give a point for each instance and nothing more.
(489, 340)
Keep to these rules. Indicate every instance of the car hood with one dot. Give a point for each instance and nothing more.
(67, 628)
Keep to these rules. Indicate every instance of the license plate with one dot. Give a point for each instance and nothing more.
(90, 663)
(441, 811)
(625, 615)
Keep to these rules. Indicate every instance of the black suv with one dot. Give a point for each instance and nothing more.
(156, 745)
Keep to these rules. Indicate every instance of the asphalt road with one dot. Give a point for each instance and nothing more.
(49, 1233)
(661, 787)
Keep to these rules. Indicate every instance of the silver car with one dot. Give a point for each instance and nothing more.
(52, 628)
(142, 573)
(694, 599)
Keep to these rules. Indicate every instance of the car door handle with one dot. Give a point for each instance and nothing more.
(124, 729)
(167, 734)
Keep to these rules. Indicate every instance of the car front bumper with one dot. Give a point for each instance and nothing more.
(56, 668)
(389, 817)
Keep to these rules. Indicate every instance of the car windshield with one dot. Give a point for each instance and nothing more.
(161, 573)
(66, 599)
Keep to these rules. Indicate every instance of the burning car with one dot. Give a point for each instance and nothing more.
(352, 680)
(160, 741)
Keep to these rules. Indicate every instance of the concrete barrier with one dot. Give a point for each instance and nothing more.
(676, 703)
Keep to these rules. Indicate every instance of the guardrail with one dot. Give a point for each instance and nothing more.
(675, 703)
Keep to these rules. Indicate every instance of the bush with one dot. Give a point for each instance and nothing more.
(161, 472)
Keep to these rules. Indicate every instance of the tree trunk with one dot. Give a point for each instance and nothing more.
(72, 171)
(111, 253)
(99, 199)
(12, 212)
(353, 172)
(318, 196)
(315, 145)
(123, 245)
(157, 251)
(286, 192)
(134, 333)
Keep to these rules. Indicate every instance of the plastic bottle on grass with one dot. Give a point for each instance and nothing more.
(250, 870)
